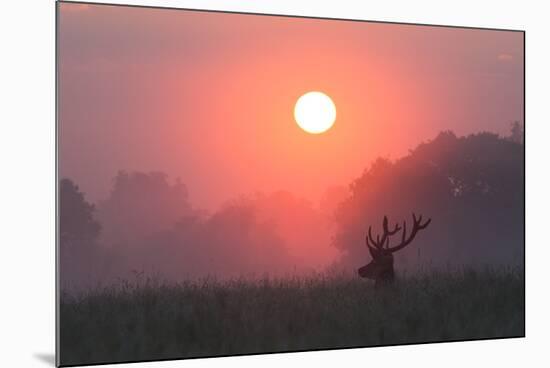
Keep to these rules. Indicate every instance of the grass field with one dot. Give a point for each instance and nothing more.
(148, 319)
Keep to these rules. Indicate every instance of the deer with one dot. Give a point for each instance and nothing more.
(380, 269)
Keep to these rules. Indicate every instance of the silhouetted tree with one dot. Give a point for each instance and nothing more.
(78, 234)
(233, 241)
(77, 226)
(150, 223)
(141, 204)
(472, 188)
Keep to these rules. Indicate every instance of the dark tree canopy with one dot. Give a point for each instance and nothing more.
(79, 253)
(77, 226)
(472, 188)
(141, 204)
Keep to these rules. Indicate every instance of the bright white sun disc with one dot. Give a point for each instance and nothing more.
(315, 112)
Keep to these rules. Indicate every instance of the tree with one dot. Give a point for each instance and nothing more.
(516, 132)
(472, 188)
(77, 226)
(141, 204)
(232, 242)
(78, 234)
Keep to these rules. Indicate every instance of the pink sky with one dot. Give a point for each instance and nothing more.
(209, 97)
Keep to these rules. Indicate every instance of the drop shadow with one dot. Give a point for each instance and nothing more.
(46, 358)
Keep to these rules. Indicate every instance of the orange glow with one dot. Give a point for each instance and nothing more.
(220, 109)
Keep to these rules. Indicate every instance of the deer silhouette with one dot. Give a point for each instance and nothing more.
(380, 269)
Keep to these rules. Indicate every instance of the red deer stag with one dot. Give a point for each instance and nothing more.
(380, 269)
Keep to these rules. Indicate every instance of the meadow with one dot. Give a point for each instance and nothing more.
(148, 318)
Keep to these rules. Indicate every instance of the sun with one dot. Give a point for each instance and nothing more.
(315, 112)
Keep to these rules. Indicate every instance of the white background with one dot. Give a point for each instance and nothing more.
(27, 181)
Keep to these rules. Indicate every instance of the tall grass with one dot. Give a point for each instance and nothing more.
(149, 319)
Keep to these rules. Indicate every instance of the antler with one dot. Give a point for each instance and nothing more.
(379, 243)
(417, 226)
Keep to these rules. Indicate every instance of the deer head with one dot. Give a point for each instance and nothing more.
(380, 269)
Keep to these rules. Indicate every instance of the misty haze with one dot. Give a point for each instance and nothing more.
(236, 184)
(148, 224)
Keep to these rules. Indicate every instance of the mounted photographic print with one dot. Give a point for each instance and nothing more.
(233, 183)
